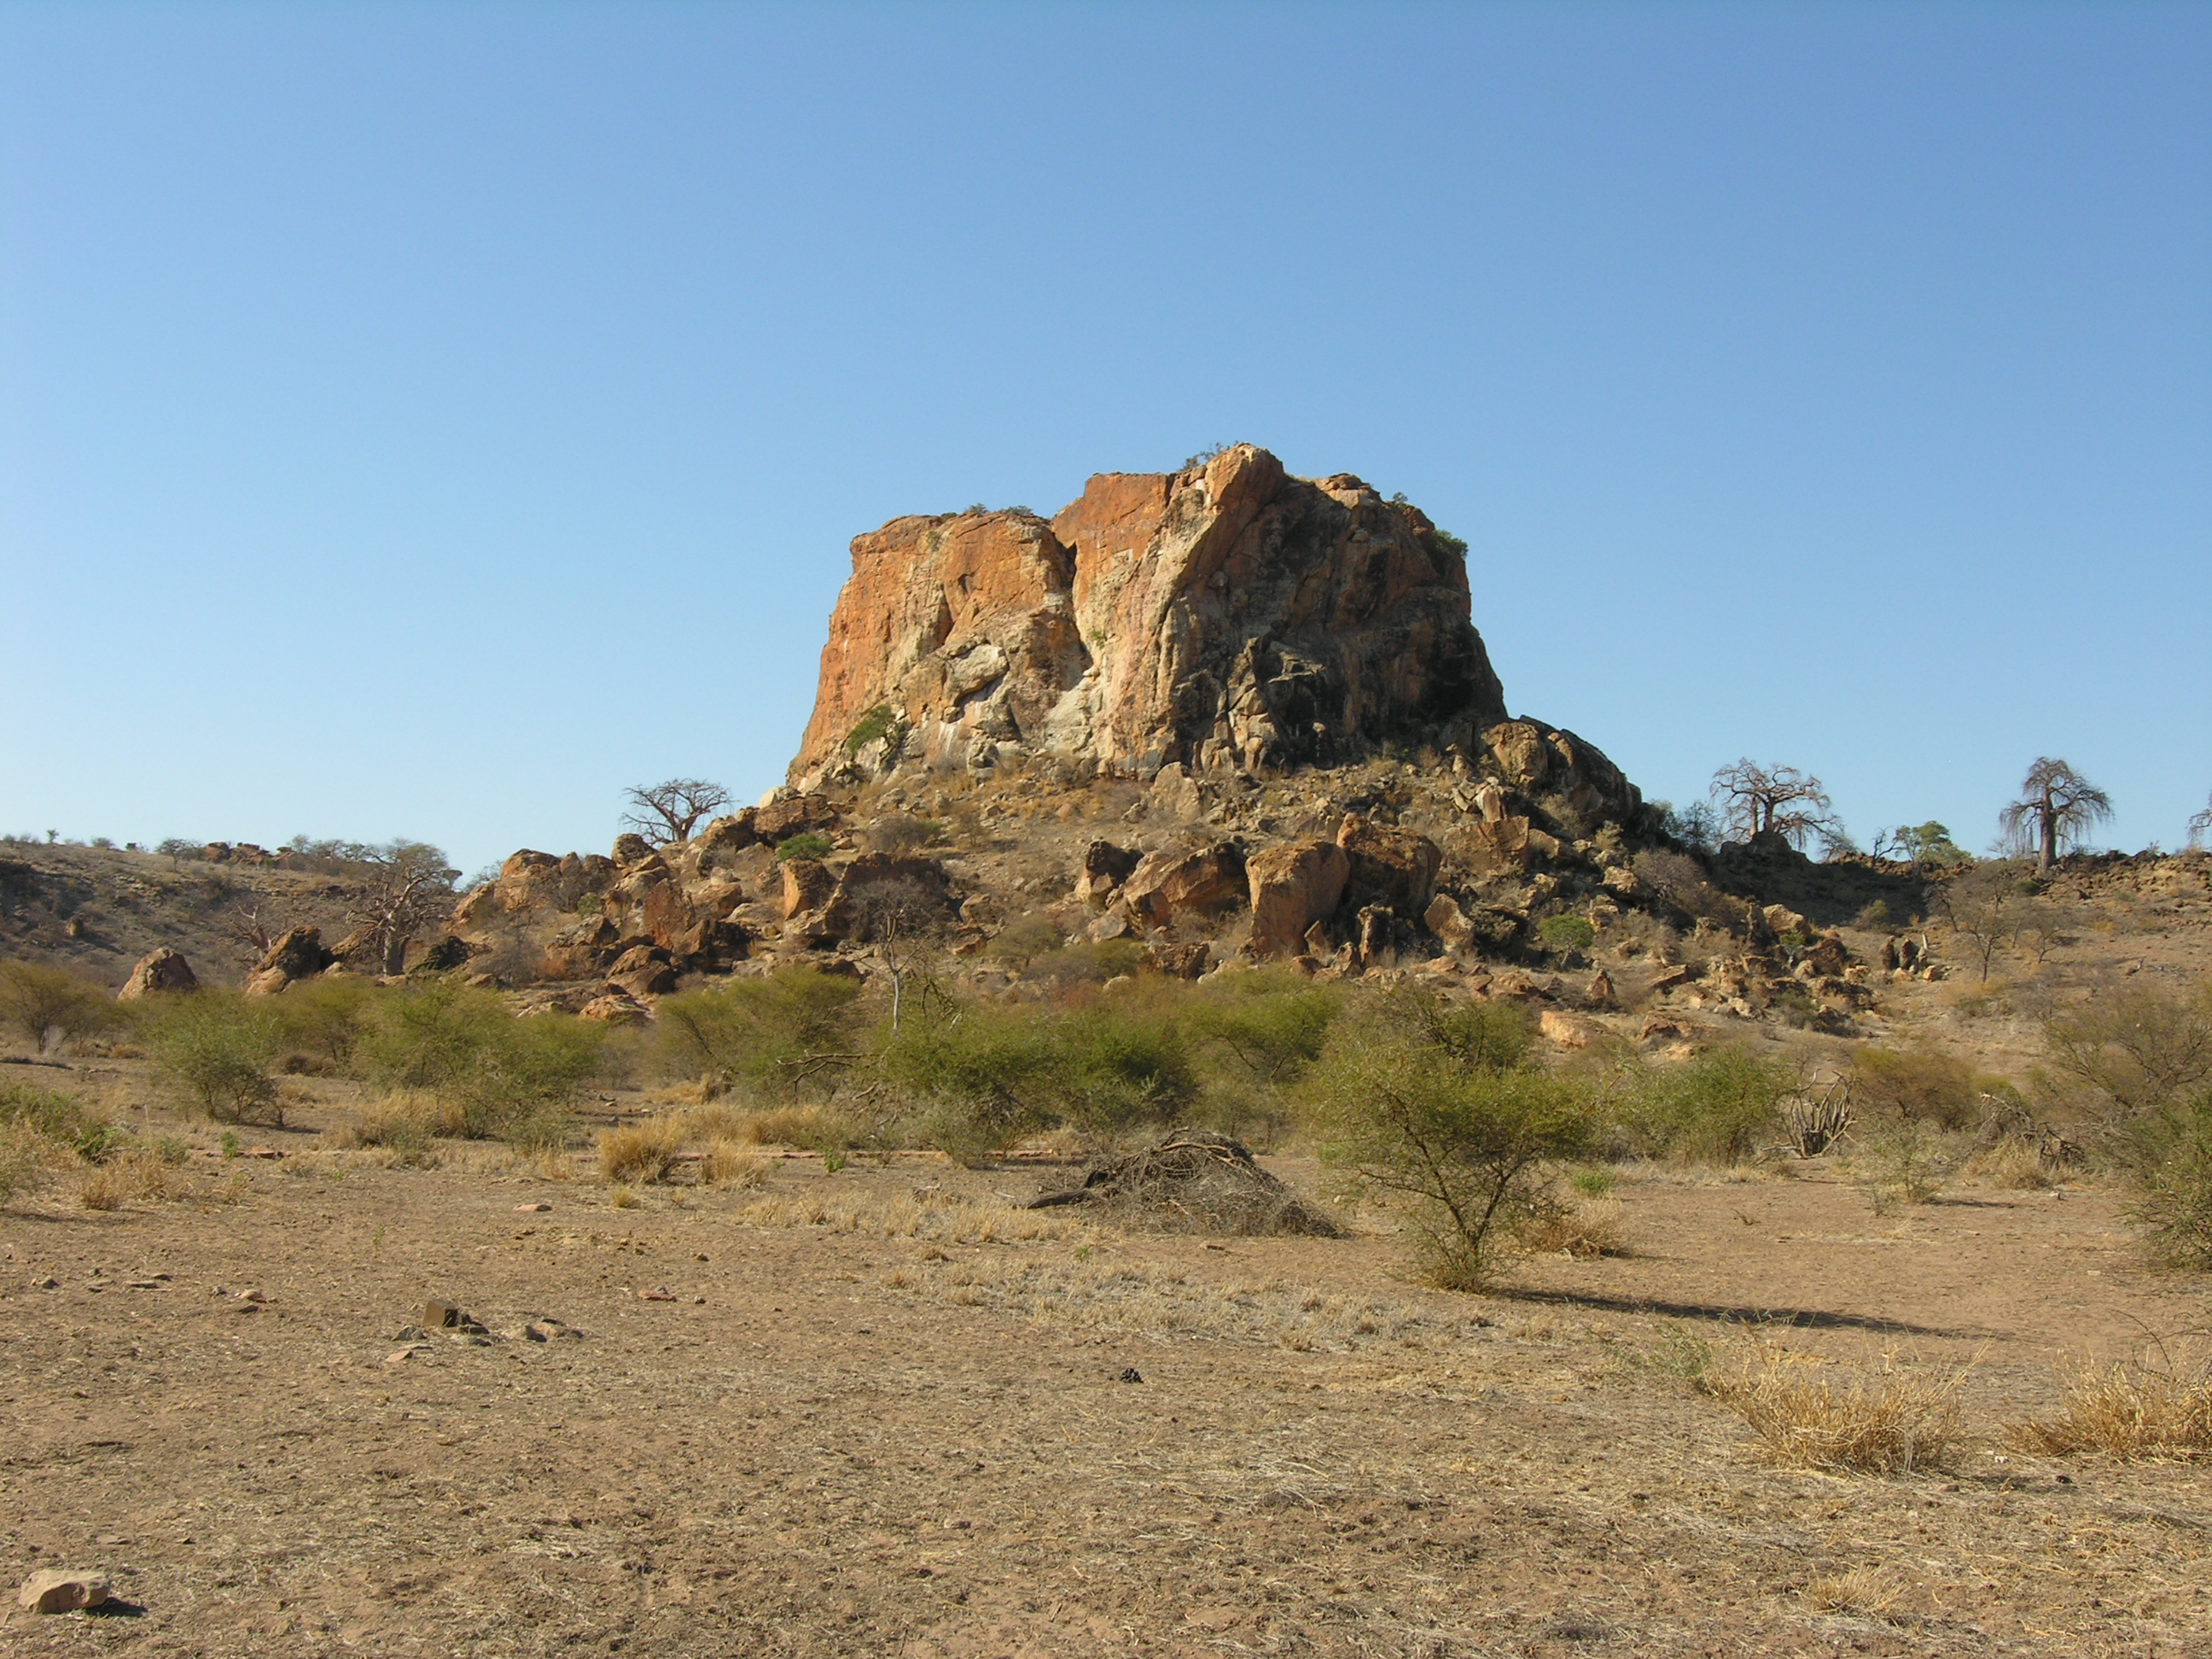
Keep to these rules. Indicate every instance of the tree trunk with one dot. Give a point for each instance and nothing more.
(2047, 848)
(395, 954)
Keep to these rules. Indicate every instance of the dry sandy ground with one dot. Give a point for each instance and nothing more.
(831, 1441)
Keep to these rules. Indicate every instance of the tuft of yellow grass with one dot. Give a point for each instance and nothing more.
(2128, 1410)
(1586, 1228)
(1865, 1592)
(728, 1163)
(140, 1175)
(1891, 1423)
(640, 1152)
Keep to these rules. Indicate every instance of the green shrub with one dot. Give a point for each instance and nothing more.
(1261, 1032)
(1565, 933)
(1917, 1086)
(806, 844)
(514, 1080)
(2166, 1155)
(1120, 1064)
(976, 1078)
(35, 998)
(63, 1119)
(876, 723)
(1717, 1106)
(1438, 1107)
(788, 1037)
(218, 1045)
(321, 1020)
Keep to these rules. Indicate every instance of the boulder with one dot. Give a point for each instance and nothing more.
(1391, 867)
(808, 884)
(1495, 847)
(158, 971)
(643, 971)
(1105, 867)
(1167, 886)
(613, 1007)
(1293, 886)
(1449, 923)
(728, 834)
(631, 848)
(297, 953)
(795, 815)
(1179, 961)
(1546, 763)
(54, 1591)
(888, 895)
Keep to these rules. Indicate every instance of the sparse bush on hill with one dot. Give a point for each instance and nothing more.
(1436, 1106)
(1566, 933)
(1086, 964)
(35, 1000)
(806, 844)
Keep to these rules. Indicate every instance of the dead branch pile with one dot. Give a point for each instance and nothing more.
(1194, 1181)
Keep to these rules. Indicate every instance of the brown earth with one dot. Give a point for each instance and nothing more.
(883, 1412)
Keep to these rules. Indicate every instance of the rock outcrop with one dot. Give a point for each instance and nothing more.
(1227, 617)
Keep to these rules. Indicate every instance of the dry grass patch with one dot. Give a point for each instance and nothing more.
(1891, 1423)
(2128, 1410)
(951, 1221)
(142, 1175)
(2012, 1165)
(1161, 1302)
(641, 1151)
(1585, 1228)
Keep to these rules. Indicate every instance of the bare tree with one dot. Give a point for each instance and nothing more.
(900, 915)
(2200, 824)
(668, 812)
(1775, 800)
(404, 886)
(1983, 906)
(2056, 808)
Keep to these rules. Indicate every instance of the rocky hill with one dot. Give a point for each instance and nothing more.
(97, 910)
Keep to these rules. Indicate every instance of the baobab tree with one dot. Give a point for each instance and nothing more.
(2056, 808)
(1772, 799)
(668, 812)
(2200, 824)
(399, 889)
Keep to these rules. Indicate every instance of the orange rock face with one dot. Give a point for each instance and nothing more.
(1224, 616)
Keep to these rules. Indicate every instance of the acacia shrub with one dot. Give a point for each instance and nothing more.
(35, 998)
(511, 1078)
(792, 1034)
(218, 1045)
(1438, 1106)
(1715, 1107)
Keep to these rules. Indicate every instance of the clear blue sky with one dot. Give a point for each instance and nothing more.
(428, 419)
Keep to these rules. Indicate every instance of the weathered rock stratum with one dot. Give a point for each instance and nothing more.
(1228, 616)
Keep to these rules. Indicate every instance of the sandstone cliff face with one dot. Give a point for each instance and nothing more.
(1227, 618)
